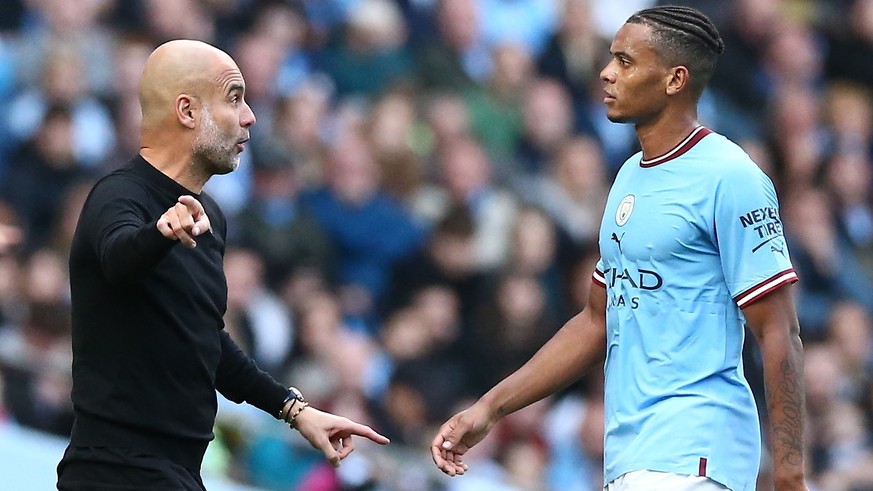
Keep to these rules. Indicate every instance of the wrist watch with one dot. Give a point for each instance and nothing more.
(294, 394)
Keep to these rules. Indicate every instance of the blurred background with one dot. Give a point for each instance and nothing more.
(417, 213)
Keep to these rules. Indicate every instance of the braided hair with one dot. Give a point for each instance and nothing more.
(684, 36)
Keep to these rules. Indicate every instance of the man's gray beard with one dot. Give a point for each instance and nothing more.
(207, 152)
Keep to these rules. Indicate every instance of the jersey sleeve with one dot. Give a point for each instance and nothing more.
(749, 235)
(599, 277)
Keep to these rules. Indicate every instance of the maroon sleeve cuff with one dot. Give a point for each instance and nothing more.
(760, 290)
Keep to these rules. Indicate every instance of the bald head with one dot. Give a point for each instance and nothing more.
(195, 120)
(179, 67)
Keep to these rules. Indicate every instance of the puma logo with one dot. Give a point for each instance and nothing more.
(617, 240)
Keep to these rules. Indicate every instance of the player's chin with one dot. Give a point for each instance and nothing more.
(616, 116)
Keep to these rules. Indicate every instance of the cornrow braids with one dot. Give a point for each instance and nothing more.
(684, 36)
(685, 20)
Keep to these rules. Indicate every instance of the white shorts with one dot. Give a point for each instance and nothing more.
(662, 481)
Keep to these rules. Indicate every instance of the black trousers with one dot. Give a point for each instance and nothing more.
(122, 469)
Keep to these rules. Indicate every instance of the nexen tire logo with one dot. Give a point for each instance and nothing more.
(766, 224)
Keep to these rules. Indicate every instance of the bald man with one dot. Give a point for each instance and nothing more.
(149, 294)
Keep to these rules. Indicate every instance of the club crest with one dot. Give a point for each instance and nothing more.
(625, 208)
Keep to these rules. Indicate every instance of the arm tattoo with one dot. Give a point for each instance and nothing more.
(787, 403)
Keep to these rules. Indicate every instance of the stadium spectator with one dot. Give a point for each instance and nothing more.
(40, 175)
(467, 175)
(356, 213)
(457, 59)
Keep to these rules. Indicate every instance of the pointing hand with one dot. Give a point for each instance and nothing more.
(184, 221)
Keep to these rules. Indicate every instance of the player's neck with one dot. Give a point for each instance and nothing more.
(661, 136)
(177, 166)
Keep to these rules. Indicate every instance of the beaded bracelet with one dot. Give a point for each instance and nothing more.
(292, 420)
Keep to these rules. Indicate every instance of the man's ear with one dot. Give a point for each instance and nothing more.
(679, 80)
(186, 109)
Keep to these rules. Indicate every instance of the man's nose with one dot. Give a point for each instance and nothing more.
(247, 118)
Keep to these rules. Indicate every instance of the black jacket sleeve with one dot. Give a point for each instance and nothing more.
(124, 232)
(240, 380)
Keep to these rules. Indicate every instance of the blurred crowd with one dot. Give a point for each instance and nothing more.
(418, 209)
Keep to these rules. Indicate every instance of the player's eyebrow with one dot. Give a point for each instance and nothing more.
(621, 54)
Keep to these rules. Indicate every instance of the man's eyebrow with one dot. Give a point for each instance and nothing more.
(622, 54)
(236, 87)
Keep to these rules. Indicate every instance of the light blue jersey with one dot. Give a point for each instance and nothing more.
(686, 240)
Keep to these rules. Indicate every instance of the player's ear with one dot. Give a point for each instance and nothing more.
(186, 108)
(678, 80)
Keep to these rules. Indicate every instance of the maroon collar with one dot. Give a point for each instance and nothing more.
(685, 145)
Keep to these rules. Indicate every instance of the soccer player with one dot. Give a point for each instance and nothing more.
(691, 249)
(149, 295)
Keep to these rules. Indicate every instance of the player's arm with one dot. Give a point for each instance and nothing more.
(577, 347)
(240, 380)
(773, 321)
(572, 351)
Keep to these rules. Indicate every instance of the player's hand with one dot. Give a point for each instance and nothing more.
(459, 434)
(332, 434)
(184, 221)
